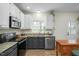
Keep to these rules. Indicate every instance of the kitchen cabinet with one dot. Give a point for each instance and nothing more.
(22, 20)
(4, 15)
(29, 42)
(12, 10)
(49, 22)
(9, 9)
(28, 21)
(16, 12)
(41, 42)
(35, 42)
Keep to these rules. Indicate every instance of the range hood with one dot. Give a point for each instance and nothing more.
(4, 27)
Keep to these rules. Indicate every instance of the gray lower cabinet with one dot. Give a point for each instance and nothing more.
(12, 51)
(29, 43)
(41, 42)
(35, 42)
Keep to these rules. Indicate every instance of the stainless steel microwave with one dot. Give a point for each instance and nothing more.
(14, 22)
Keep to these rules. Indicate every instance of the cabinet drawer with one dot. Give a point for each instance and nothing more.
(8, 51)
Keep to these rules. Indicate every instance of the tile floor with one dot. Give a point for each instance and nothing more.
(37, 52)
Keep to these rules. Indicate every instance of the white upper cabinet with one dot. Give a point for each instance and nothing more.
(16, 12)
(7, 10)
(49, 23)
(4, 15)
(12, 10)
(27, 21)
(22, 20)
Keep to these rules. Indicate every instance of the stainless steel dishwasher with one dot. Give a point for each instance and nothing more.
(50, 43)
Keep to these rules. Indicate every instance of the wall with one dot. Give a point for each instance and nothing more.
(61, 23)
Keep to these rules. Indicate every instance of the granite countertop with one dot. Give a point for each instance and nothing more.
(20, 38)
(39, 35)
(6, 45)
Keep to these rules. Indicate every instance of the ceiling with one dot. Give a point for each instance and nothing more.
(45, 7)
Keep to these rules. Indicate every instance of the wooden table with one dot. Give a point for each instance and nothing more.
(64, 48)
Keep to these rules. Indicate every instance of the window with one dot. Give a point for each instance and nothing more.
(72, 27)
(37, 26)
(72, 30)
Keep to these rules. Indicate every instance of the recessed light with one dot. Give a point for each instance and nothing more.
(28, 7)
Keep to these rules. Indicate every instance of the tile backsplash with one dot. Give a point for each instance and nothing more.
(19, 31)
(10, 30)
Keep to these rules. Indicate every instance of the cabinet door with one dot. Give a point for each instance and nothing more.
(49, 23)
(4, 14)
(12, 10)
(41, 42)
(27, 43)
(27, 21)
(53, 42)
(35, 42)
(22, 20)
(30, 42)
(17, 13)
